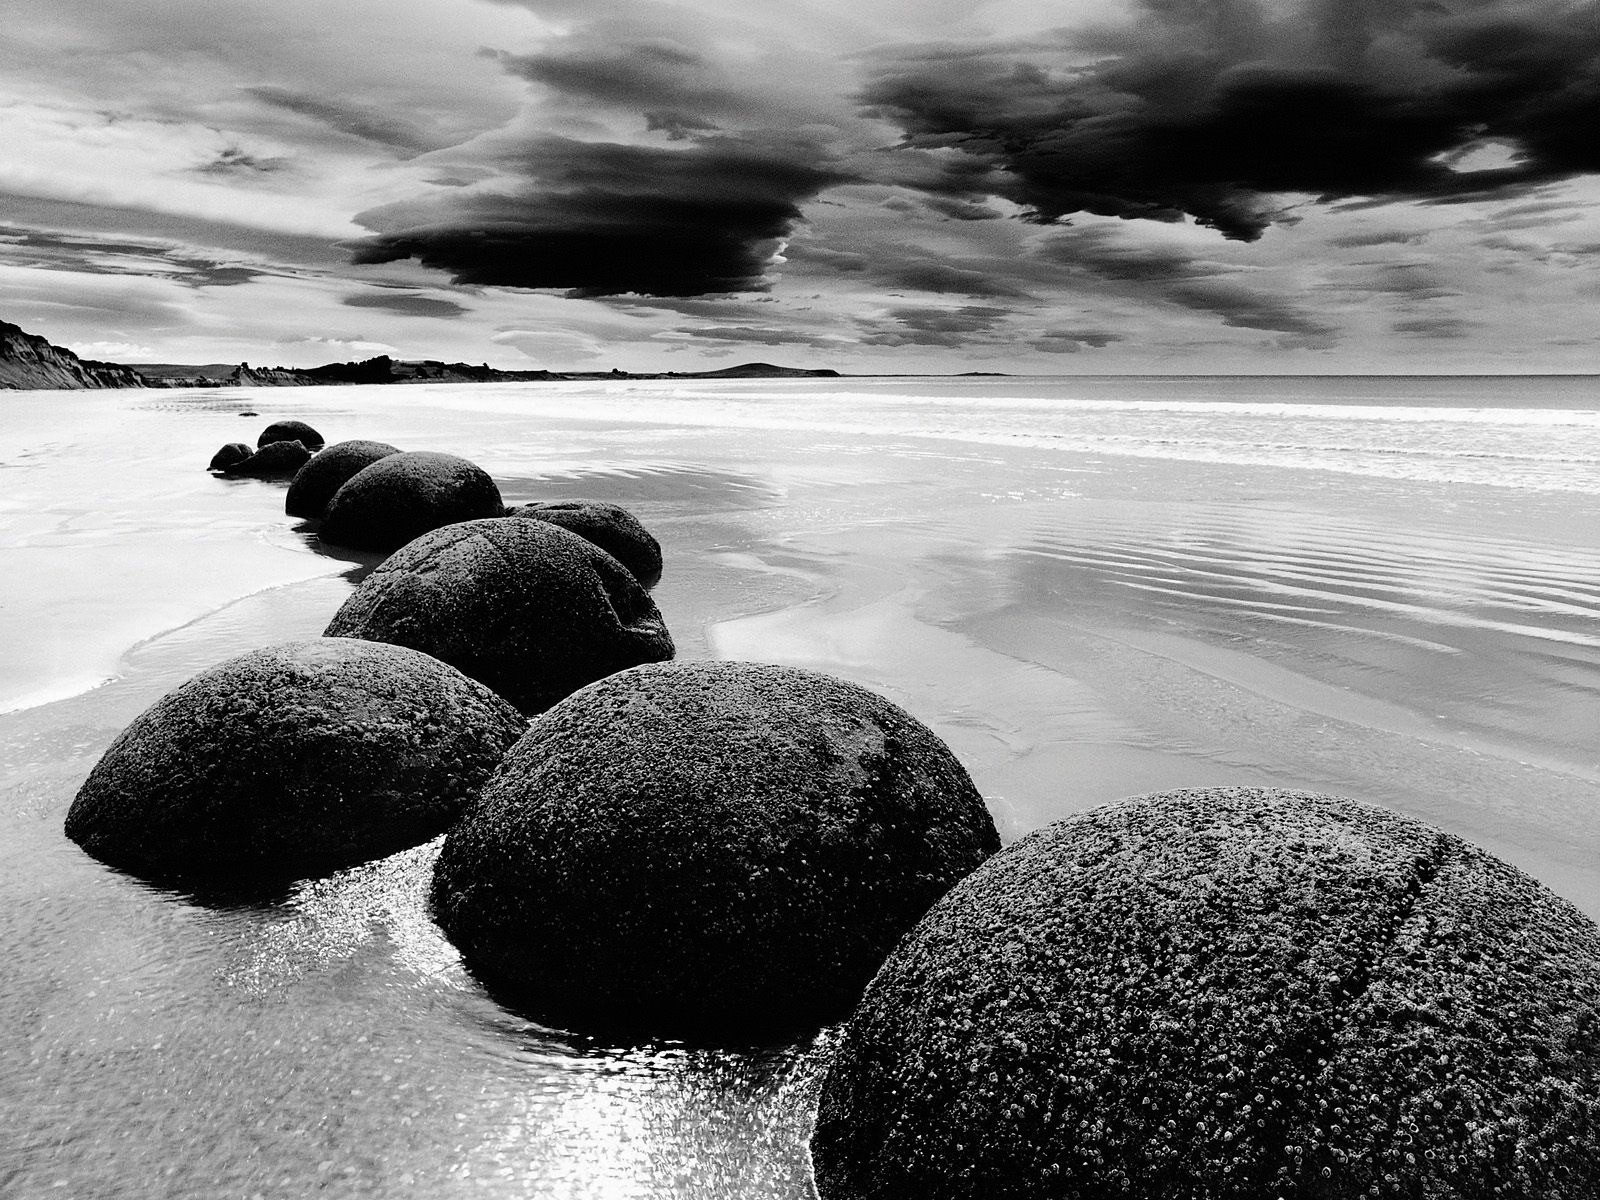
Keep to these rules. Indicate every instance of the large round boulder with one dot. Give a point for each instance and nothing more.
(292, 761)
(402, 496)
(610, 526)
(530, 610)
(325, 474)
(275, 460)
(1230, 994)
(719, 848)
(291, 431)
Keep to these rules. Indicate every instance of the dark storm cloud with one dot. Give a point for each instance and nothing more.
(406, 304)
(601, 218)
(1216, 108)
(1172, 276)
(351, 119)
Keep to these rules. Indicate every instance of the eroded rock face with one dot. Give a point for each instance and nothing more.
(710, 848)
(292, 761)
(229, 456)
(275, 460)
(527, 608)
(403, 496)
(610, 526)
(325, 474)
(291, 431)
(1227, 993)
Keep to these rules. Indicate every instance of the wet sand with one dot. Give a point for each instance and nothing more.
(1079, 626)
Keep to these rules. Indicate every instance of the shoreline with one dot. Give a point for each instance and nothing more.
(1080, 626)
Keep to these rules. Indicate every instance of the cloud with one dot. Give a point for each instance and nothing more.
(1072, 341)
(1218, 109)
(552, 345)
(234, 161)
(1171, 275)
(102, 255)
(603, 218)
(354, 120)
(1379, 237)
(759, 336)
(930, 275)
(406, 304)
(948, 327)
(1435, 327)
(675, 87)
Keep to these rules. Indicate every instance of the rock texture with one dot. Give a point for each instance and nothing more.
(610, 526)
(325, 474)
(291, 431)
(402, 496)
(291, 761)
(275, 460)
(710, 848)
(30, 361)
(229, 456)
(1227, 993)
(530, 610)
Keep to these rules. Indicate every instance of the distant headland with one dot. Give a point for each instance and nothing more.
(28, 361)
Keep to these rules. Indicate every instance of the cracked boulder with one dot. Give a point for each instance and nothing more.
(710, 848)
(528, 609)
(402, 496)
(1227, 993)
(325, 474)
(292, 761)
(291, 431)
(230, 455)
(610, 526)
(275, 460)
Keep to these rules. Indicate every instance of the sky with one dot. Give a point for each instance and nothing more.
(1087, 187)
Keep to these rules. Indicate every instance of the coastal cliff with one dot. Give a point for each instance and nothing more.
(30, 361)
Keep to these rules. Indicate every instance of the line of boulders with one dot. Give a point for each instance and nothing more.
(718, 847)
(1216, 994)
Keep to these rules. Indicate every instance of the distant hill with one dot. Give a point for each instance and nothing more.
(29, 361)
(760, 370)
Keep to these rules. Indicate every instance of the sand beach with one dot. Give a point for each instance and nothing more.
(1380, 587)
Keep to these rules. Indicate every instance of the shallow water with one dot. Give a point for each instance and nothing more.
(1091, 588)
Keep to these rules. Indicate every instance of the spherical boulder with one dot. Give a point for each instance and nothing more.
(229, 456)
(292, 761)
(402, 496)
(325, 474)
(1227, 993)
(528, 609)
(610, 526)
(291, 431)
(275, 460)
(719, 848)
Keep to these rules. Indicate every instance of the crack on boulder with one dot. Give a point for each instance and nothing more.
(1311, 1053)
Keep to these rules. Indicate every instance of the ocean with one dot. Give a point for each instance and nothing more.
(1091, 587)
